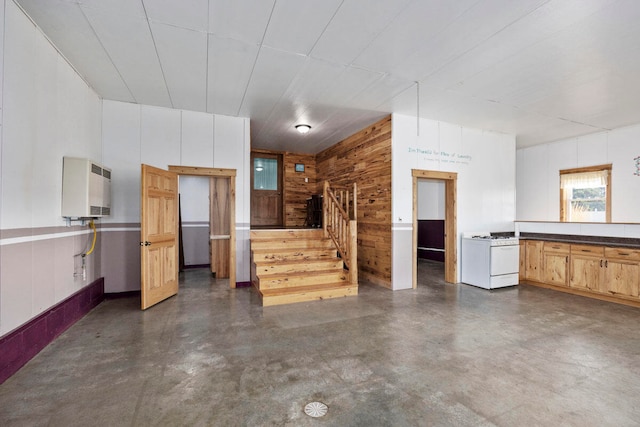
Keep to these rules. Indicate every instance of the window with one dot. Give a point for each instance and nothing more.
(265, 175)
(585, 194)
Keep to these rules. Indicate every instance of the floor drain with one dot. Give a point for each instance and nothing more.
(316, 409)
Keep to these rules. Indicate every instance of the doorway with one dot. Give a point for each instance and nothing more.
(222, 204)
(450, 221)
(266, 189)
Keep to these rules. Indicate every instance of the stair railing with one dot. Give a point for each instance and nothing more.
(339, 214)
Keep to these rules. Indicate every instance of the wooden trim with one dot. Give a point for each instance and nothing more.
(587, 169)
(426, 174)
(620, 299)
(563, 201)
(451, 229)
(231, 174)
(198, 171)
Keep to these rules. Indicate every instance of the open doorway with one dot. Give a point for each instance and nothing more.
(435, 182)
(220, 194)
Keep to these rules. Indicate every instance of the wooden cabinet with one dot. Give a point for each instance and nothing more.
(586, 267)
(533, 260)
(556, 263)
(609, 273)
(622, 271)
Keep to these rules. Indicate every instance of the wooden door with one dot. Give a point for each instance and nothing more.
(622, 277)
(533, 260)
(158, 235)
(219, 220)
(586, 272)
(266, 190)
(555, 268)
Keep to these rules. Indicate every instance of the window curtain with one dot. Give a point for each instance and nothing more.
(584, 179)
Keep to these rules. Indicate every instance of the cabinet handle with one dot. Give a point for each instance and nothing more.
(567, 258)
(600, 263)
(623, 253)
(585, 250)
(606, 264)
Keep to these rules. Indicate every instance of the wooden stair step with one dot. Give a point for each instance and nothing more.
(301, 279)
(267, 268)
(272, 297)
(290, 254)
(309, 233)
(291, 243)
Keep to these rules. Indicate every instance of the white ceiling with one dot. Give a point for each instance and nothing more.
(540, 69)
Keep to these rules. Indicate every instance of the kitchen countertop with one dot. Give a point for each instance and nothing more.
(623, 242)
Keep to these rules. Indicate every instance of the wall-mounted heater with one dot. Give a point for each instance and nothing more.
(86, 189)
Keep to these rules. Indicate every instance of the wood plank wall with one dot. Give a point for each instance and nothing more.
(365, 158)
(296, 190)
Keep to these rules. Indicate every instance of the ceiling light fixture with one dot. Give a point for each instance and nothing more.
(259, 168)
(303, 128)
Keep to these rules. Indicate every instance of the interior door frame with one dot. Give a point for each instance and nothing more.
(219, 173)
(450, 224)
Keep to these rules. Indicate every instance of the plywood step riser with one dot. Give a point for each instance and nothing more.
(285, 234)
(311, 295)
(289, 281)
(292, 255)
(264, 269)
(291, 243)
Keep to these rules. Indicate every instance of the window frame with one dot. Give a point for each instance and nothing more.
(563, 196)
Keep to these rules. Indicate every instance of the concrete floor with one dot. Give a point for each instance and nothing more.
(439, 355)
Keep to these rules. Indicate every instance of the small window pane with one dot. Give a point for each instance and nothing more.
(265, 174)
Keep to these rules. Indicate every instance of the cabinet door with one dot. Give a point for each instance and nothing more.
(533, 260)
(586, 272)
(622, 277)
(555, 268)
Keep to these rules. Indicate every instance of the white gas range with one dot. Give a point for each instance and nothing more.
(490, 261)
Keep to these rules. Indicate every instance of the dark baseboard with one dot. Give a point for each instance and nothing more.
(243, 284)
(118, 295)
(22, 344)
(188, 267)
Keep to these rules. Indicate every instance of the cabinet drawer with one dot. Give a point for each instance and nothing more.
(562, 248)
(587, 250)
(622, 253)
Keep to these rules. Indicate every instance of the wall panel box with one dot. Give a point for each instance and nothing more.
(86, 189)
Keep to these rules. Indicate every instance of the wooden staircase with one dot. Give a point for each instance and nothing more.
(297, 265)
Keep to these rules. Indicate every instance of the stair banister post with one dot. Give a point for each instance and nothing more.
(353, 238)
(325, 206)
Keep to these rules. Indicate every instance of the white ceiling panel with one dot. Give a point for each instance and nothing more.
(463, 34)
(129, 44)
(243, 20)
(537, 26)
(81, 47)
(230, 65)
(183, 56)
(296, 25)
(540, 69)
(115, 7)
(413, 27)
(273, 73)
(354, 28)
(191, 14)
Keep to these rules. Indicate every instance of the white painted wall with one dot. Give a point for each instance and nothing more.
(194, 206)
(485, 163)
(431, 199)
(48, 112)
(135, 134)
(538, 182)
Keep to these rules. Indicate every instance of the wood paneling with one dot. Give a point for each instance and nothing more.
(365, 158)
(296, 189)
